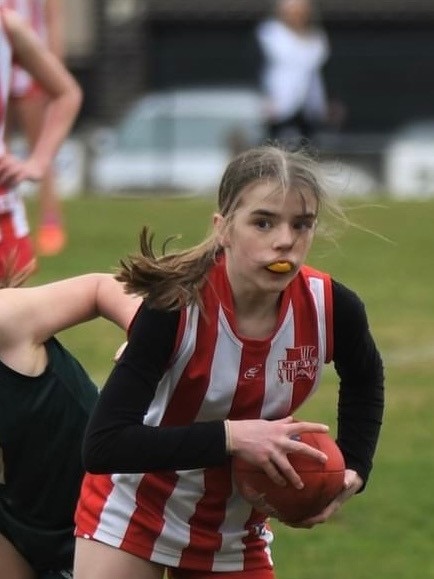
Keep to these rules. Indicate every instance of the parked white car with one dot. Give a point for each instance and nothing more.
(409, 161)
(181, 139)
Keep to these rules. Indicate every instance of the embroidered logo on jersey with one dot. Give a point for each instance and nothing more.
(300, 363)
(252, 372)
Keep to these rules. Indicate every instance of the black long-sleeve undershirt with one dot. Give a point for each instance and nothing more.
(117, 441)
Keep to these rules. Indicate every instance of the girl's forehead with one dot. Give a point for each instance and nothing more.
(270, 194)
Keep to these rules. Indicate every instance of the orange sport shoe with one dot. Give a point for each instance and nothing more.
(51, 239)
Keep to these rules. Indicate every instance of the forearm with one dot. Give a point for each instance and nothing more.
(360, 369)
(141, 448)
(59, 118)
(360, 414)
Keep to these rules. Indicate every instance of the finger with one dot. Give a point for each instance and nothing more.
(281, 472)
(304, 448)
(310, 427)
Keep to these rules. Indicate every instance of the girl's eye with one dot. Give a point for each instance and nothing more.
(303, 225)
(263, 224)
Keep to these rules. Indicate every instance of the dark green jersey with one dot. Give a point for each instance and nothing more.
(42, 420)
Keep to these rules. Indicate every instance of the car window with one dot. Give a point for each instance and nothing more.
(212, 133)
(157, 126)
(163, 133)
(152, 134)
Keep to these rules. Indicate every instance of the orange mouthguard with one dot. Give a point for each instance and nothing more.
(280, 266)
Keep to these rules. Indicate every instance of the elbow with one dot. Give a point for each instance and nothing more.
(93, 465)
(73, 97)
(94, 457)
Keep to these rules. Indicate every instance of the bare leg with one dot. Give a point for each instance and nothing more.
(12, 564)
(94, 560)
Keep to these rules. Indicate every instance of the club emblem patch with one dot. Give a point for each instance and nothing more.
(300, 363)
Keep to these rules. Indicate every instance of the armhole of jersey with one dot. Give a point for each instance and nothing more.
(328, 297)
(130, 325)
(179, 332)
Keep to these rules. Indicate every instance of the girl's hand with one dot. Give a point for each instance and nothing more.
(267, 443)
(352, 484)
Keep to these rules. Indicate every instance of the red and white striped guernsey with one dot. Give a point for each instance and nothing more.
(196, 519)
(13, 220)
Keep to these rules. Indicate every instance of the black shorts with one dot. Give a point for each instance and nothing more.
(45, 550)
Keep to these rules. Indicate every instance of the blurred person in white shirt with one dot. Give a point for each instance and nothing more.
(294, 51)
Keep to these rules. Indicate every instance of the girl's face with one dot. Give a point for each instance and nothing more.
(268, 227)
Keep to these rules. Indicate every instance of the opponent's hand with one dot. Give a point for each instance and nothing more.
(267, 444)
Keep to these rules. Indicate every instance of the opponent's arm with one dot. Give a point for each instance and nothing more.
(34, 314)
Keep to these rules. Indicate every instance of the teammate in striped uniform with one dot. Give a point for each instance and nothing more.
(27, 106)
(19, 44)
(45, 400)
(230, 341)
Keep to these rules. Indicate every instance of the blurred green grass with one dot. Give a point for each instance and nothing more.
(387, 531)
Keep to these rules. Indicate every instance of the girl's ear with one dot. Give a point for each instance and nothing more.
(220, 230)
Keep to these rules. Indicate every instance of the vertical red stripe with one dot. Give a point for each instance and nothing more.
(249, 394)
(207, 519)
(94, 492)
(193, 384)
(147, 521)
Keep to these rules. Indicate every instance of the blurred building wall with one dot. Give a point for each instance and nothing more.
(382, 63)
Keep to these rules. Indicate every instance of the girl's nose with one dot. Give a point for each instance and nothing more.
(285, 237)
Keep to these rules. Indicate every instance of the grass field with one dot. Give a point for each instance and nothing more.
(388, 531)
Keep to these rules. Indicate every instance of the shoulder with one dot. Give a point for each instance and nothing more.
(152, 317)
(320, 37)
(151, 341)
(346, 302)
(350, 321)
(153, 329)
